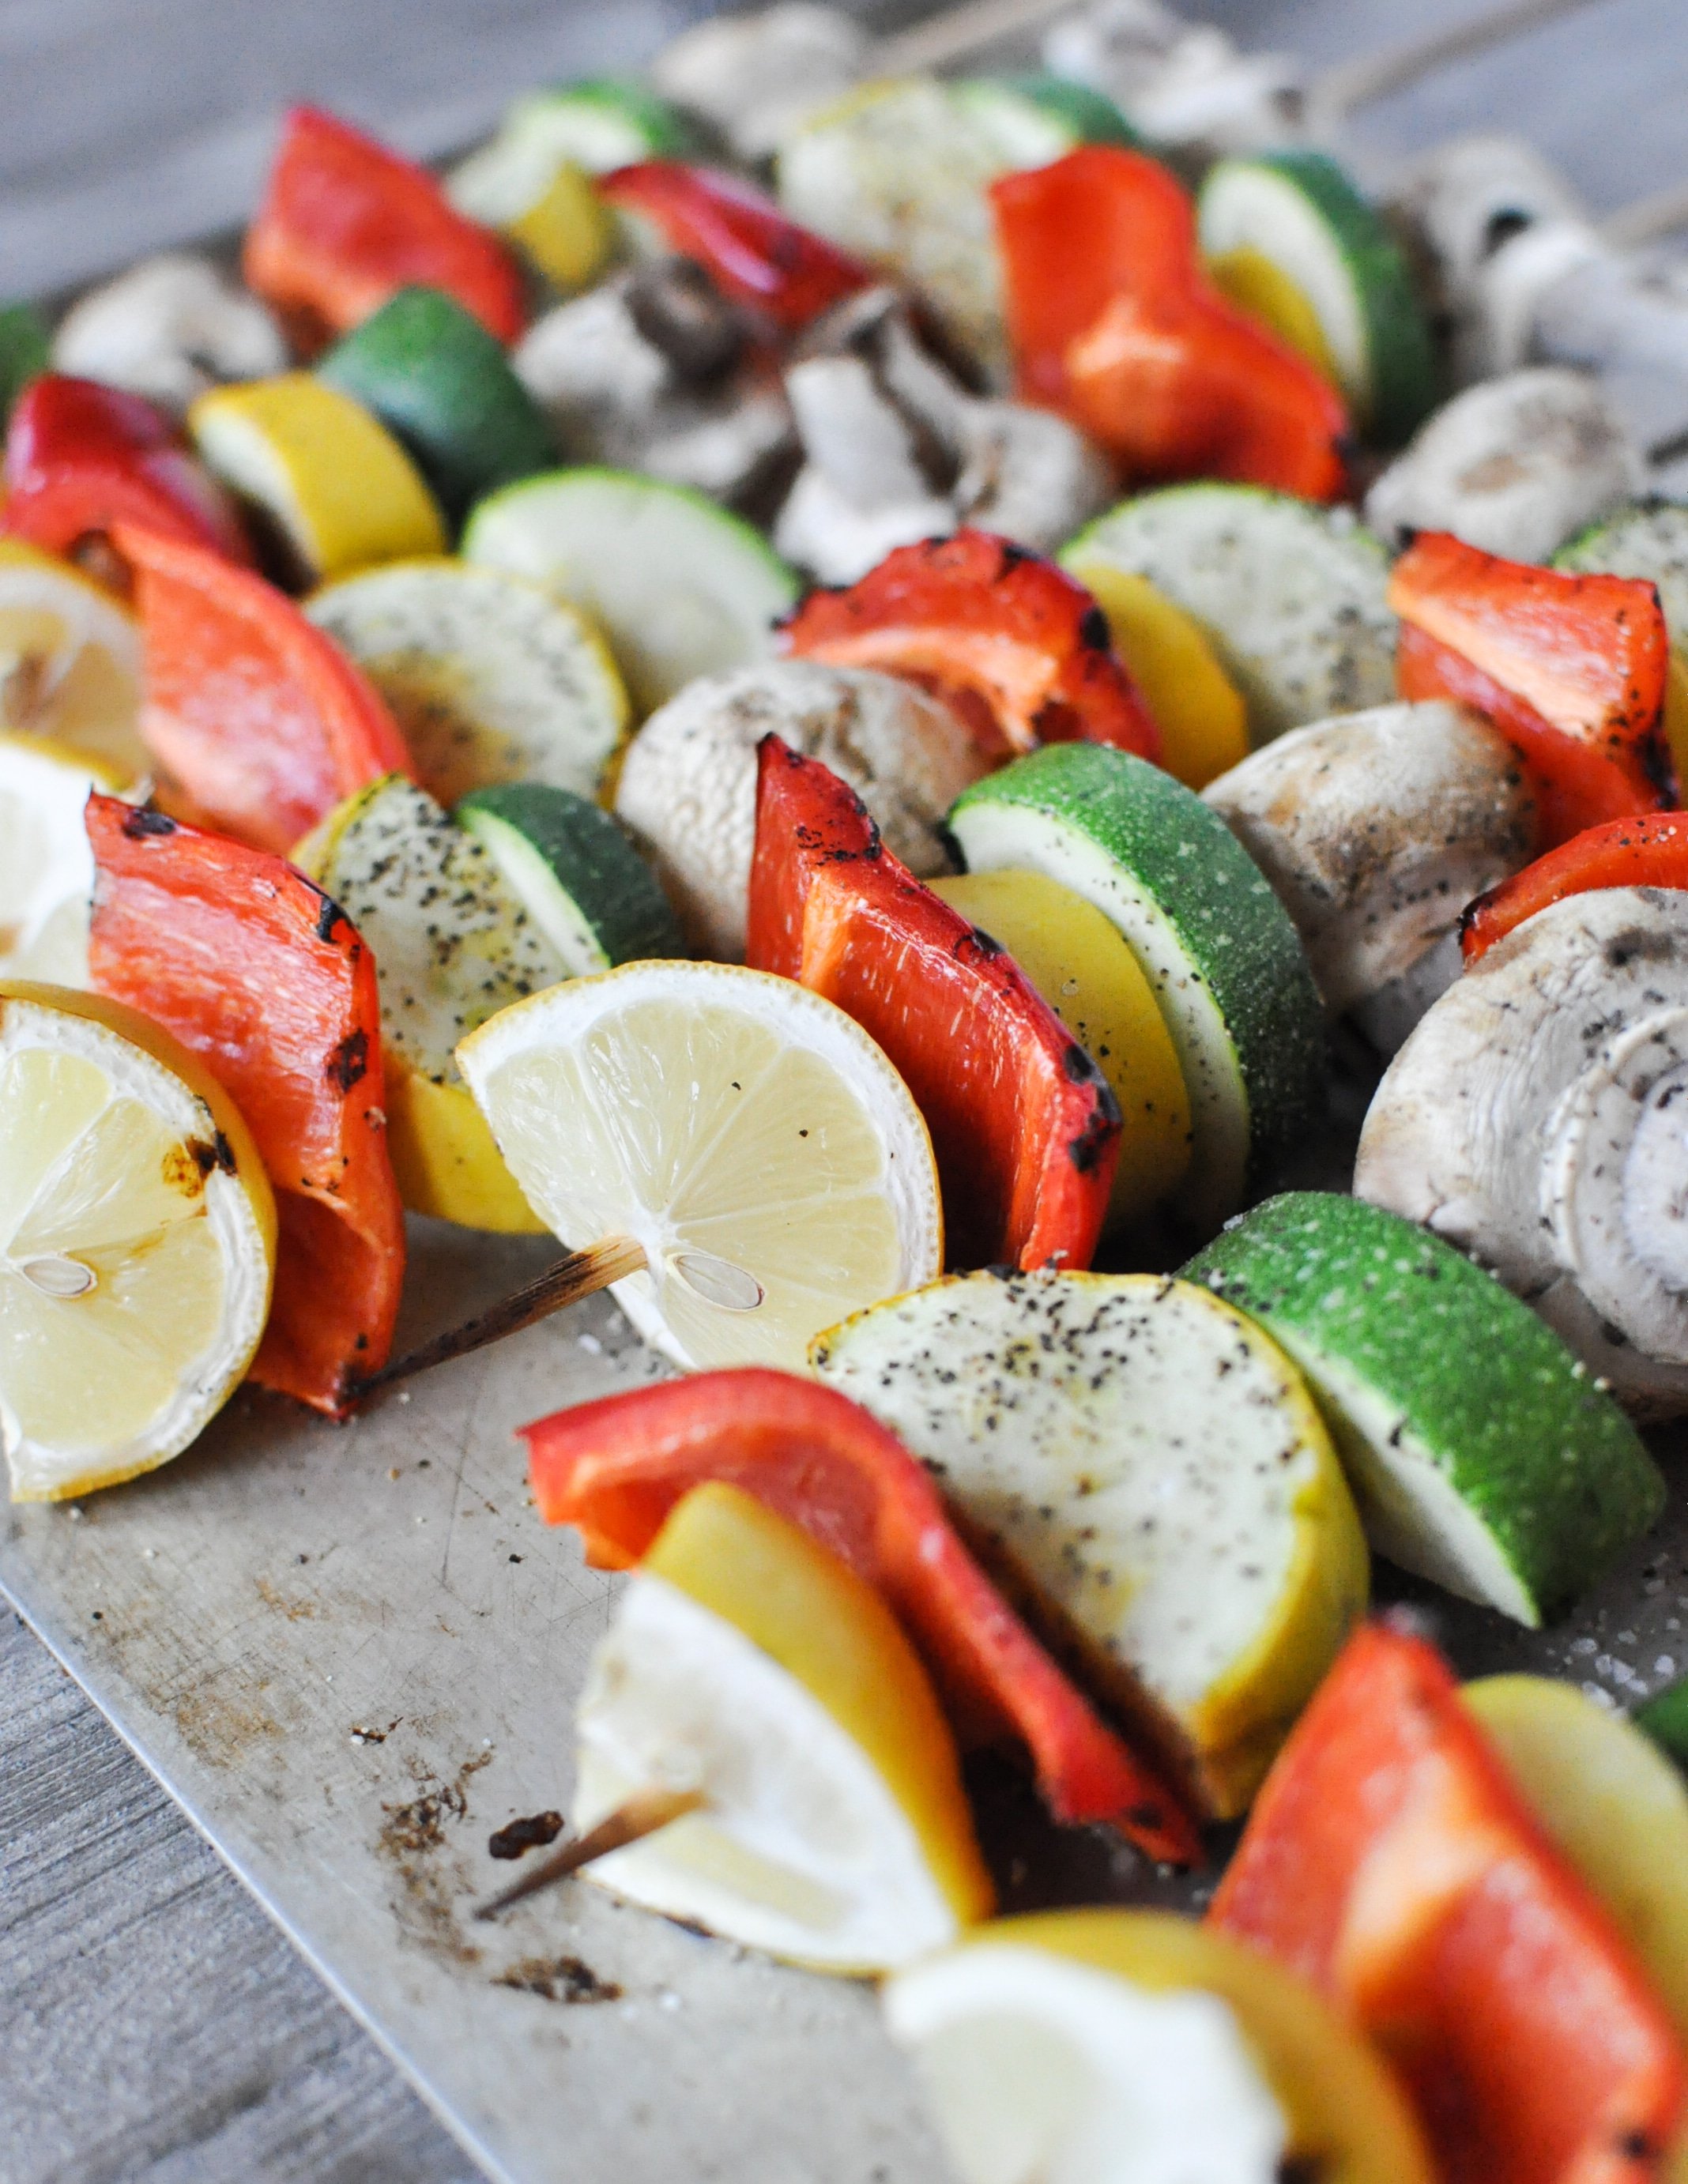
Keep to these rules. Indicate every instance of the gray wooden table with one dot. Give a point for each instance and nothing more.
(154, 2025)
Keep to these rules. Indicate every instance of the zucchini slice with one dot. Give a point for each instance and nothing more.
(1292, 595)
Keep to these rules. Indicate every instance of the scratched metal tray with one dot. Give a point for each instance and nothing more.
(352, 1653)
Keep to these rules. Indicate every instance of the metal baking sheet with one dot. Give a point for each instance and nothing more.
(352, 1653)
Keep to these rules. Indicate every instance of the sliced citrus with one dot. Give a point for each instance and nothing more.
(1198, 709)
(137, 1243)
(1079, 962)
(338, 490)
(46, 869)
(1131, 2048)
(752, 1139)
(492, 678)
(69, 660)
(747, 1664)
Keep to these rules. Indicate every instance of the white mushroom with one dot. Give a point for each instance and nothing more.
(688, 787)
(1459, 206)
(168, 328)
(1538, 1117)
(754, 77)
(648, 371)
(1182, 84)
(1375, 829)
(1516, 467)
(1627, 318)
(897, 450)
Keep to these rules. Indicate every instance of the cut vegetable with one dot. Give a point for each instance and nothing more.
(1124, 2047)
(1291, 595)
(1036, 118)
(443, 387)
(585, 887)
(1612, 1803)
(1195, 705)
(615, 1469)
(746, 1663)
(1228, 973)
(137, 1242)
(492, 678)
(336, 488)
(453, 944)
(1482, 1455)
(680, 587)
(1300, 210)
(69, 660)
(25, 352)
(1079, 962)
(1244, 276)
(1649, 539)
(897, 172)
(596, 123)
(754, 1143)
(1151, 1467)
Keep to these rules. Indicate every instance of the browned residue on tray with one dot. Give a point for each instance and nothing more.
(410, 1838)
(558, 1979)
(296, 1610)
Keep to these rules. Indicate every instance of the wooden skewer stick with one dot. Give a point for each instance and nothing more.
(959, 32)
(1357, 82)
(644, 1815)
(581, 1274)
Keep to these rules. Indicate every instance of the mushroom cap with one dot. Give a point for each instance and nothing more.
(1516, 467)
(1375, 829)
(688, 787)
(1538, 1119)
(170, 327)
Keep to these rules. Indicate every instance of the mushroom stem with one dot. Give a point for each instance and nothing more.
(644, 1813)
(581, 1274)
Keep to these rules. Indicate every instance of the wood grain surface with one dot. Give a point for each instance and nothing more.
(154, 2027)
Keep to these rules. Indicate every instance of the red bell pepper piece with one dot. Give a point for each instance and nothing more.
(1019, 649)
(1649, 851)
(1114, 322)
(1390, 1860)
(260, 719)
(81, 458)
(741, 238)
(258, 972)
(1571, 670)
(614, 1469)
(1024, 1127)
(346, 223)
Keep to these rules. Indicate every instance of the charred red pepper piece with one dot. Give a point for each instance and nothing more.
(1571, 670)
(739, 234)
(256, 970)
(1649, 851)
(260, 721)
(1019, 648)
(1114, 323)
(346, 223)
(80, 458)
(1390, 1860)
(614, 1469)
(1025, 1128)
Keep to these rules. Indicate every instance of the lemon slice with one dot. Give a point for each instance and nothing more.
(339, 491)
(137, 1243)
(1132, 2048)
(46, 869)
(69, 660)
(746, 1663)
(755, 1142)
(1150, 1467)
